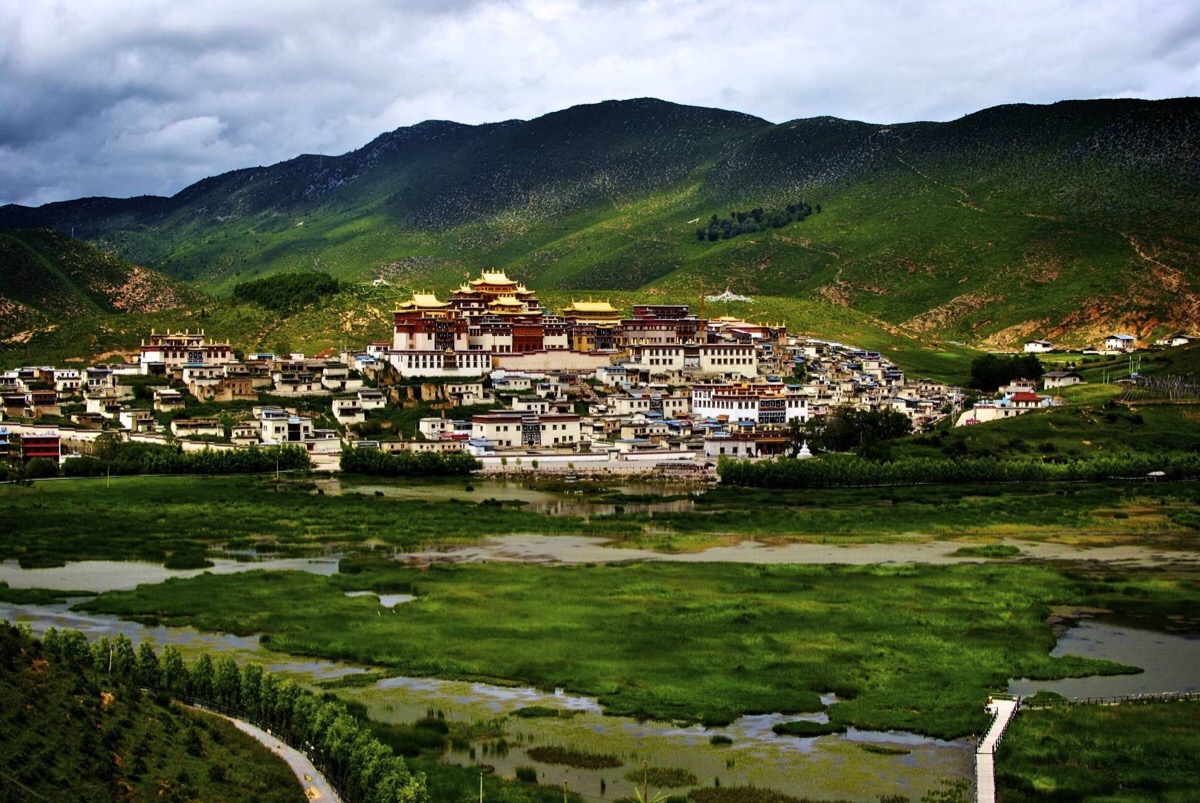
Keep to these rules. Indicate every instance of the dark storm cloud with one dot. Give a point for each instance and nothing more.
(145, 96)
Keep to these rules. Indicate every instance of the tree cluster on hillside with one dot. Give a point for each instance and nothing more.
(992, 371)
(752, 220)
(347, 752)
(287, 292)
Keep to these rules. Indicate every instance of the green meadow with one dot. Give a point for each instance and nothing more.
(910, 647)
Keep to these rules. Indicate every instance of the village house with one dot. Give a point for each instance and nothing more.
(348, 411)
(758, 402)
(1038, 347)
(521, 430)
(666, 405)
(197, 428)
(1060, 379)
(167, 400)
(166, 352)
(371, 399)
(1177, 339)
(136, 420)
(1118, 344)
(277, 425)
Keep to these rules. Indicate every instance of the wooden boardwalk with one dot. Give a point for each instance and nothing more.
(985, 766)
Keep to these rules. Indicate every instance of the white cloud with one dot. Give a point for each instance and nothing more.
(144, 96)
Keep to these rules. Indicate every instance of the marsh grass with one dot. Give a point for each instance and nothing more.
(669, 777)
(1124, 752)
(911, 647)
(989, 551)
(189, 519)
(805, 729)
(573, 758)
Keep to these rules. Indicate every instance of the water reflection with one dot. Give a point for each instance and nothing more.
(587, 501)
(1169, 662)
(99, 576)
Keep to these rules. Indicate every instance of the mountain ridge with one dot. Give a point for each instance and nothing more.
(1020, 220)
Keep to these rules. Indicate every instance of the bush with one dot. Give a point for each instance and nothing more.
(526, 774)
(40, 468)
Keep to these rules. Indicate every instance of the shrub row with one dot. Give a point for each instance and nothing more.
(407, 464)
(846, 471)
(141, 458)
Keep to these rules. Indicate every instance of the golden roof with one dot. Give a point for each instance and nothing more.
(506, 301)
(493, 277)
(591, 306)
(422, 301)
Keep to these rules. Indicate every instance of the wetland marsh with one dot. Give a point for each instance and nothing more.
(648, 619)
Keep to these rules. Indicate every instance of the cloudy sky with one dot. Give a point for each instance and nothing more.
(130, 97)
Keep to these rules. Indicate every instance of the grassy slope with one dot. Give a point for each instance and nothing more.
(1086, 429)
(58, 732)
(47, 278)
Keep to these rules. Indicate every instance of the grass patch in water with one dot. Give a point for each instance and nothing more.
(573, 758)
(806, 729)
(669, 777)
(885, 750)
(535, 711)
(37, 596)
(989, 551)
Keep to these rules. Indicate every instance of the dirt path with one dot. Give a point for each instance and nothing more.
(583, 549)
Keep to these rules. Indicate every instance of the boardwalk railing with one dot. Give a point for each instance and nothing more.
(1128, 699)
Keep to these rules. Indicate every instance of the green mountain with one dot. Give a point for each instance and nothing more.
(1061, 221)
(48, 279)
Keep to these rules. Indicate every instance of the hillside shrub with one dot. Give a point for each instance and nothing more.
(286, 292)
(751, 220)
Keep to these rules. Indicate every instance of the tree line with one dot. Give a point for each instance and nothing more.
(378, 463)
(850, 471)
(993, 371)
(114, 457)
(752, 220)
(340, 745)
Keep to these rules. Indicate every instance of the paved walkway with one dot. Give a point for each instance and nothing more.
(316, 788)
(985, 768)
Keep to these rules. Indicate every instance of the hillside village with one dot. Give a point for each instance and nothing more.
(518, 387)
